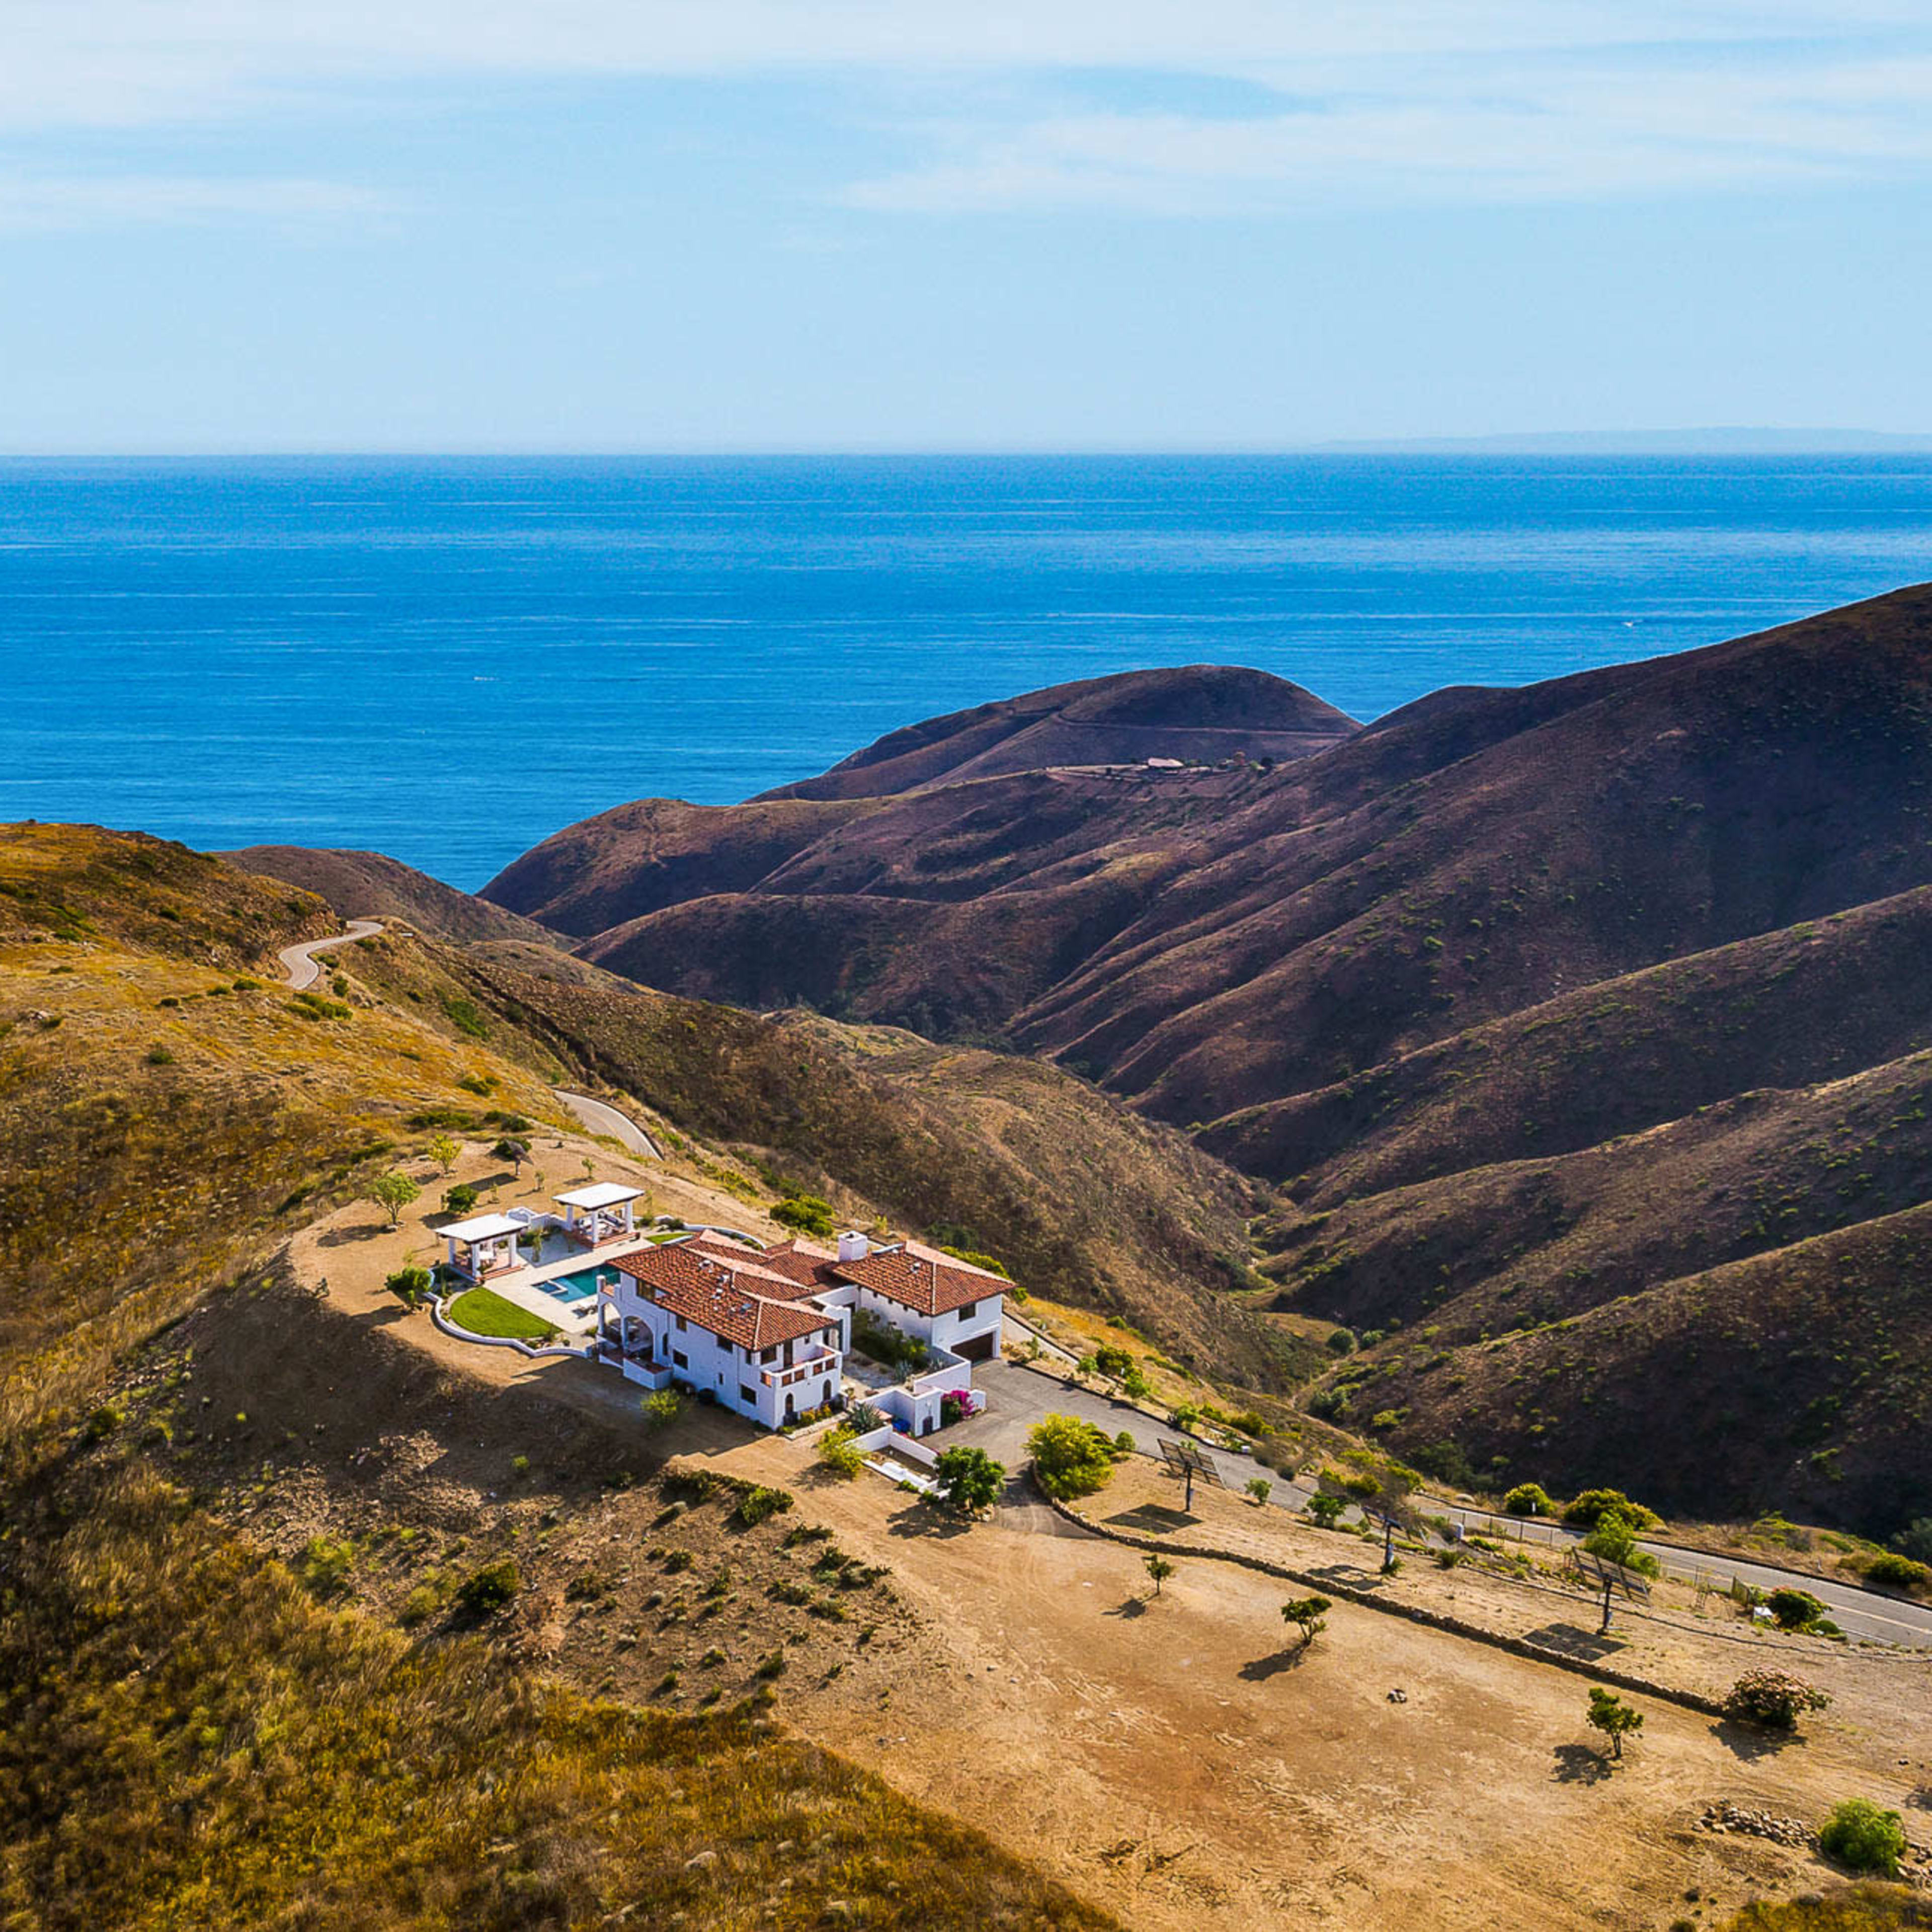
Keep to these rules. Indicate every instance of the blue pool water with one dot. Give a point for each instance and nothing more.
(448, 659)
(579, 1286)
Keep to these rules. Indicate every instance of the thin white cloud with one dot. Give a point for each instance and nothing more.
(1405, 101)
(29, 202)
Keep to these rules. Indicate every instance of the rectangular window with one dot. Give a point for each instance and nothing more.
(744, 1394)
(678, 1356)
(677, 1322)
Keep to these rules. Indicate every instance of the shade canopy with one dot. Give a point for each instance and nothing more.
(484, 1228)
(605, 1194)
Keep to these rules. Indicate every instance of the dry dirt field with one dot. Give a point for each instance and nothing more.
(1172, 1759)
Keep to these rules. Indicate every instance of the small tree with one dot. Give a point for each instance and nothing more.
(1309, 1615)
(515, 1152)
(1864, 1836)
(1070, 1457)
(839, 1454)
(968, 1479)
(1159, 1568)
(1795, 1609)
(1260, 1488)
(1608, 1713)
(1116, 1364)
(392, 1192)
(1773, 1698)
(1583, 1512)
(1325, 1509)
(443, 1150)
(459, 1199)
(662, 1407)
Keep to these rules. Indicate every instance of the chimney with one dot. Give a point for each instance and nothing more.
(852, 1246)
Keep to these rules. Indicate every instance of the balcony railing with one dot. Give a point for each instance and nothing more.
(812, 1365)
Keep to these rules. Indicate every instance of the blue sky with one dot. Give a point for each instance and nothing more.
(783, 224)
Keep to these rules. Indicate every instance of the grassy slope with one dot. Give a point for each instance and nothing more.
(213, 1749)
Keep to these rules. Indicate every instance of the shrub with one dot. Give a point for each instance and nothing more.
(861, 1418)
(159, 1056)
(1795, 1609)
(1530, 1499)
(1584, 1512)
(773, 1666)
(1325, 1511)
(1341, 1342)
(662, 1408)
(1864, 1836)
(1614, 1540)
(1124, 1445)
(807, 1214)
(1915, 1539)
(102, 1423)
(1113, 1363)
(1260, 1488)
(324, 1566)
(1070, 1457)
(759, 1505)
(486, 1590)
(1773, 1698)
(968, 1479)
(459, 1199)
(464, 1016)
(409, 1284)
(1895, 1571)
(839, 1454)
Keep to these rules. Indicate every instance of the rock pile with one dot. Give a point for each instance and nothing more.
(1726, 1816)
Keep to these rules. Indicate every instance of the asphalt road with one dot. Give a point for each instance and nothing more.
(300, 963)
(1018, 1397)
(601, 1119)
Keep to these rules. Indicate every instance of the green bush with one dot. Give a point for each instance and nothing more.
(1341, 1342)
(968, 1479)
(1584, 1512)
(1915, 1539)
(459, 1199)
(1795, 1609)
(486, 1590)
(1324, 1511)
(1530, 1499)
(1864, 1837)
(409, 1284)
(1070, 1457)
(464, 1016)
(1894, 1571)
(839, 1454)
(1114, 1363)
(758, 1505)
(806, 1213)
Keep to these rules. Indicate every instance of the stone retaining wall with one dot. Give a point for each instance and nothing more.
(1415, 1613)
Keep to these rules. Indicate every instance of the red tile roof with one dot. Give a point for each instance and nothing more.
(740, 1302)
(812, 1268)
(922, 1279)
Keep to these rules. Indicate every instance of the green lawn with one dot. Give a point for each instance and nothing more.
(483, 1313)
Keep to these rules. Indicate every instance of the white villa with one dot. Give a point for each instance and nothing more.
(766, 1332)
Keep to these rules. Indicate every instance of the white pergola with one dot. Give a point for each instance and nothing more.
(601, 1212)
(488, 1242)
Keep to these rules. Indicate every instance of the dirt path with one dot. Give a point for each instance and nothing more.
(300, 963)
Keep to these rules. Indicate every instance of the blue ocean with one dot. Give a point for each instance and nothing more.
(448, 659)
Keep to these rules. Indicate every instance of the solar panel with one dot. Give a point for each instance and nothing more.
(1187, 1461)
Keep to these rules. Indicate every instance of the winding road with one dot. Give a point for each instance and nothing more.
(601, 1118)
(300, 963)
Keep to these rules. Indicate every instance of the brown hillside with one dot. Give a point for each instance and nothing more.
(360, 885)
(1205, 712)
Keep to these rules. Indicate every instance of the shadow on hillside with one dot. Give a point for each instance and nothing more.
(1129, 1607)
(1156, 1519)
(1350, 1575)
(921, 1518)
(341, 1237)
(1587, 1645)
(1752, 1741)
(1262, 1668)
(1580, 1764)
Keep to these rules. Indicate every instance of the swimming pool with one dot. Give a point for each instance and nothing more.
(579, 1286)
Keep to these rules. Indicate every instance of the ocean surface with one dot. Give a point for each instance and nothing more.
(448, 659)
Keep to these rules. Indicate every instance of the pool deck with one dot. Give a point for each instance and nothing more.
(574, 1319)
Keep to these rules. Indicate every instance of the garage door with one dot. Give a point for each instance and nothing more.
(979, 1349)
